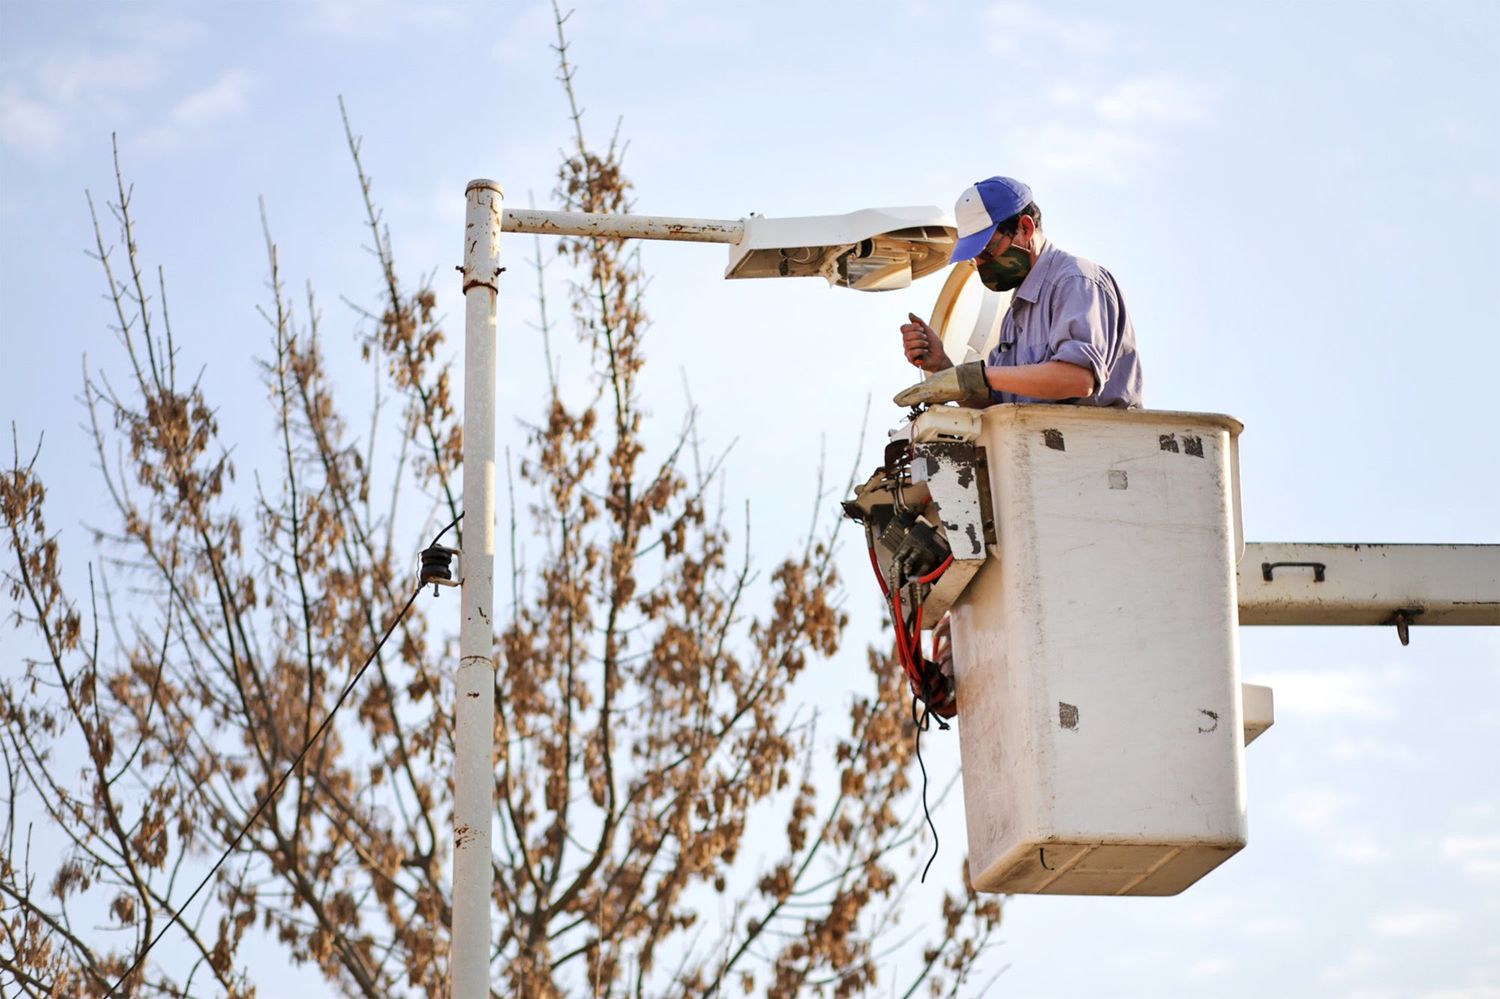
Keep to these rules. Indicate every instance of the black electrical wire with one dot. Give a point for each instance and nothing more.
(451, 525)
(271, 795)
(921, 723)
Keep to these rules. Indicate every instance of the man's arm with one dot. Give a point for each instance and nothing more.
(971, 384)
(1048, 380)
(1085, 328)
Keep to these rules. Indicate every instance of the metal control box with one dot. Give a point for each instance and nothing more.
(1096, 654)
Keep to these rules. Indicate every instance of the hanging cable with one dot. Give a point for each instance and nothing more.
(271, 795)
(920, 724)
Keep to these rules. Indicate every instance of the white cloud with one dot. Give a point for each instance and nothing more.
(1210, 909)
(1357, 963)
(157, 29)
(28, 126)
(1208, 967)
(1165, 97)
(1359, 851)
(1069, 95)
(67, 78)
(1467, 846)
(1314, 809)
(1110, 155)
(1351, 692)
(51, 95)
(1370, 750)
(1415, 922)
(226, 97)
(364, 20)
(1023, 29)
(1273, 926)
(1107, 124)
(1476, 855)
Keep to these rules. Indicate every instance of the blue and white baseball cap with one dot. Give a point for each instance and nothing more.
(983, 207)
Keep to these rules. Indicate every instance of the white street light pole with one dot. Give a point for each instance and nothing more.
(474, 697)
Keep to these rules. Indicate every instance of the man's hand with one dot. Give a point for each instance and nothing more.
(924, 349)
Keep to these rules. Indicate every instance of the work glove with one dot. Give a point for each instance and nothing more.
(963, 384)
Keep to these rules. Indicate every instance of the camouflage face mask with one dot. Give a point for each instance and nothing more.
(1007, 271)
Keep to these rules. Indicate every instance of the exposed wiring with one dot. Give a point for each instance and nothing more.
(899, 623)
(885, 591)
(909, 654)
(898, 618)
(908, 635)
(920, 723)
(271, 795)
(917, 635)
(909, 646)
(932, 576)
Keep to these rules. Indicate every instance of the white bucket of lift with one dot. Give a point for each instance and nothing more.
(1096, 654)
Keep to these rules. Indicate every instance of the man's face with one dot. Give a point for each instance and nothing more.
(1000, 242)
(1006, 261)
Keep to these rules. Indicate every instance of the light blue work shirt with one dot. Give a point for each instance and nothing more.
(1071, 309)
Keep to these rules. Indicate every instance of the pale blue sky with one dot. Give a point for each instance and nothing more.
(1300, 200)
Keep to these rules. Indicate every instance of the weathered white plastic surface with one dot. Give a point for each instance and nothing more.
(1302, 584)
(1259, 705)
(1101, 721)
(877, 249)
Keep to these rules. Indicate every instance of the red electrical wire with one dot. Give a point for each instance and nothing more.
(914, 649)
(874, 564)
(934, 574)
(908, 647)
(903, 646)
(893, 600)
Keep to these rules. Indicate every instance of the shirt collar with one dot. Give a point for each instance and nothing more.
(1031, 288)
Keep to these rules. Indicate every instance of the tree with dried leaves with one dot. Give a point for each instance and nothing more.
(645, 734)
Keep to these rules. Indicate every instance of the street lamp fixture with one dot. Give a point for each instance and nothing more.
(876, 249)
(871, 250)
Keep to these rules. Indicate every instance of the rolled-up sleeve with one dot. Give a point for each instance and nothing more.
(1084, 316)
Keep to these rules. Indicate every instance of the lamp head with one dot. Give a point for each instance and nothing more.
(877, 249)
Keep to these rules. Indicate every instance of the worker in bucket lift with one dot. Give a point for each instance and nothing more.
(1067, 336)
